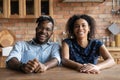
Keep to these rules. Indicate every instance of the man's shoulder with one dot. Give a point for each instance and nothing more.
(23, 42)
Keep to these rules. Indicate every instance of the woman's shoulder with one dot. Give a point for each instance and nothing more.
(96, 42)
(21, 42)
(68, 41)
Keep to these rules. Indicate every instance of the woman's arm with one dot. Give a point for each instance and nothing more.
(108, 59)
(65, 58)
(95, 69)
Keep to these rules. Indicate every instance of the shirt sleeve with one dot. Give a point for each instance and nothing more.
(99, 43)
(56, 52)
(16, 51)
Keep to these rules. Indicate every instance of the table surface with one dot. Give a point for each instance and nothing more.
(61, 73)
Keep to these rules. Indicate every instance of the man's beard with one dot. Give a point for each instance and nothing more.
(40, 42)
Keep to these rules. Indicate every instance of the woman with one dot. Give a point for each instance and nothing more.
(80, 51)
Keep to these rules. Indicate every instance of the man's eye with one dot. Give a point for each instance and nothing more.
(40, 28)
(48, 29)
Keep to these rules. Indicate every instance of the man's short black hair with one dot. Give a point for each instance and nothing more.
(45, 18)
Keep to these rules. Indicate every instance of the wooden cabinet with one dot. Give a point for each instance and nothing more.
(115, 52)
(25, 8)
(2, 61)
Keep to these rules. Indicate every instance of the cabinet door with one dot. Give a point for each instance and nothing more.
(1, 8)
(2, 61)
(13, 8)
(25, 8)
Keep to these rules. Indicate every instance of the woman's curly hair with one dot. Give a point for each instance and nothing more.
(72, 20)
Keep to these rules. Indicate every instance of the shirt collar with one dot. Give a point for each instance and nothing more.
(42, 45)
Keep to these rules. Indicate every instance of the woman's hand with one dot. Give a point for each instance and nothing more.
(89, 68)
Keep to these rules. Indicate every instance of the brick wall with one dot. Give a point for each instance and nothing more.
(100, 11)
(24, 28)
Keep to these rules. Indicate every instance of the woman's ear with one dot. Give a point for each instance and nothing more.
(88, 29)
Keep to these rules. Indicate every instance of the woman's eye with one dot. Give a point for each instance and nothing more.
(83, 25)
(76, 26)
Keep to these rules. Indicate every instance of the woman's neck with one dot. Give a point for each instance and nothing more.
(83, 42)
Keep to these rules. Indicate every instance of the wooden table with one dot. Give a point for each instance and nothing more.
(61, 73)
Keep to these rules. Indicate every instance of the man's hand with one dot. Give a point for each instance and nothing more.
(29, 67)
(40, 68)
(33, 66)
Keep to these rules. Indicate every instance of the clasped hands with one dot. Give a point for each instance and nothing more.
(33, 66)
(89, 68)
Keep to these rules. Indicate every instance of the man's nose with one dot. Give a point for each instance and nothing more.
(44, 30)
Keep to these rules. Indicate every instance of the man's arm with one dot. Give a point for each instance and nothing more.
(52, 63)
(43, 67)
(29, 67)
(13, 63)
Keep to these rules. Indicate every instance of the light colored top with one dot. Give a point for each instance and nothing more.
(28, 50)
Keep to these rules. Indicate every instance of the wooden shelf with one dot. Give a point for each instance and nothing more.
(113, 48)
(83, 0)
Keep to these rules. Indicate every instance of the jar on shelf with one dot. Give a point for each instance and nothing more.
(117, 40)
(107, 42)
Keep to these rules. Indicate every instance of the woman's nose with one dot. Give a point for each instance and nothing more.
(80, 27)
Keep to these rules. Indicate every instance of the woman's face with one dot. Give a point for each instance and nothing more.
(81, 28)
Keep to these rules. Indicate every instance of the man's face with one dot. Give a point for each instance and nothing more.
(44, 32)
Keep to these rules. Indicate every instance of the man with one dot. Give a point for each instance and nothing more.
(37, 55)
